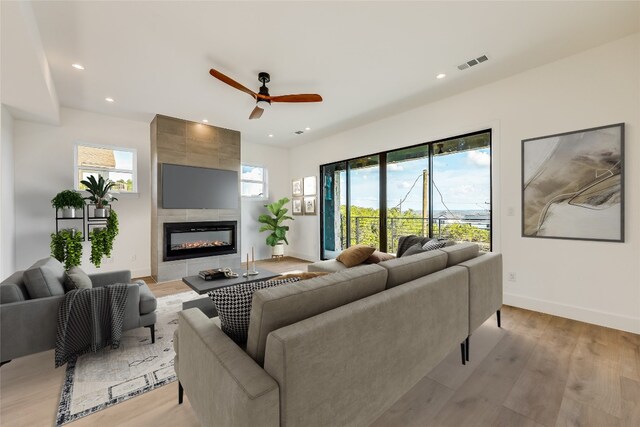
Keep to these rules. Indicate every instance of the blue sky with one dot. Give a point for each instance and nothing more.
(462, 178)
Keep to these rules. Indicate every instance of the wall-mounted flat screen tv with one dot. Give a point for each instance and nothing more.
(190, 187)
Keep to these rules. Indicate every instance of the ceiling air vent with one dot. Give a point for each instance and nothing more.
(299, 132)
(473, 62)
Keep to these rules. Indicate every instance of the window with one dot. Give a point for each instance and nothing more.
(254, 181)
(439, 189)
(114, 163)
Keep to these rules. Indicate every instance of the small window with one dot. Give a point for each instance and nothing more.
(254, 181)
(114, 163)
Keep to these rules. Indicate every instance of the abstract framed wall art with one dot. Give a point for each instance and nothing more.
(296, 205)
(573, 185)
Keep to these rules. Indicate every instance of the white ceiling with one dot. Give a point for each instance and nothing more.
(367, 60)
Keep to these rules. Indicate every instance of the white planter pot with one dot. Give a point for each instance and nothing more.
(278, 250)
(68, 212)
(100, 213)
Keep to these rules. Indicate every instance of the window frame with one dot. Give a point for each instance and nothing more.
(133, 171)
(383, 187)
(264, 181)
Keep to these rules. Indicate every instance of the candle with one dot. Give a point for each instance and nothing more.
(253, 256)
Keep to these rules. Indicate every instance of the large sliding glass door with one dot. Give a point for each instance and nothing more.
(440, 189)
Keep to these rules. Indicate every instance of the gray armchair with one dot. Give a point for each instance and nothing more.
(29, 302)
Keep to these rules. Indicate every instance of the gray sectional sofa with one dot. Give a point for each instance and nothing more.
(338, 349)
(29, 302)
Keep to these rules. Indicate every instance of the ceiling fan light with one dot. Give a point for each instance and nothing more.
(263, 104)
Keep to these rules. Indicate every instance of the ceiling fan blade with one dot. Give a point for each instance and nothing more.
(305, 97)
(256, 113)
(228, 80)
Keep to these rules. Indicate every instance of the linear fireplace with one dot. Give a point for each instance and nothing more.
(183, 240)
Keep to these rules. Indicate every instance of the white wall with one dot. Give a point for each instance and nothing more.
(7, 214)
(276, 160)
(591, 281)
(44, 166)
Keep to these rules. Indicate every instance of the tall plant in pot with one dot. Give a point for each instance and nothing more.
(68, 201)
(99, 193)
(274, 224)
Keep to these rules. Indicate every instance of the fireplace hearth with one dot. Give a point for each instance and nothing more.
(184, 240)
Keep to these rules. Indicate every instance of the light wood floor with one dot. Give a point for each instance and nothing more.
(537, 370)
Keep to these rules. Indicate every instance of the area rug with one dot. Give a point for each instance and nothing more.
(96, 381)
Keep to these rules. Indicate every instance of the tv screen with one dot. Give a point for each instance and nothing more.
(190, 187)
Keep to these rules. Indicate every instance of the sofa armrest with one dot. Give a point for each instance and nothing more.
(224, 385)
(485, 287)
(110, 277)
(28, 327)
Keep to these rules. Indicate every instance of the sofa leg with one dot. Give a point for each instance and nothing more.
(498, 316)
(466, 348)
(152, 329)
(180, 393)
(462, 353)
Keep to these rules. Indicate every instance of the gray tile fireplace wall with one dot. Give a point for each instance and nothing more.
(188, 143)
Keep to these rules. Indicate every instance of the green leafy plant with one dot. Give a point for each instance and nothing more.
(66, 247)
(102, 239)
(68, 198)
(99, 190)
(273, 223)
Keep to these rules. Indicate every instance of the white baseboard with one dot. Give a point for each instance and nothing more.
(302, 256)
(143, 272)
(596, 317)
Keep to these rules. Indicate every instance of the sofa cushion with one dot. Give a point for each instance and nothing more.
(303, 275)
(148, 302)
(405, 242)
(280, 306)
(378, 256)
(233, 304)
(328, 266)
(434, 244)
(45, 278)
(12, 289)
(408, 268)
(76, 278)
(355, 255)
(460, 252)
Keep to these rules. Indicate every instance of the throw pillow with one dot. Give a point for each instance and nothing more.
(302, 276)
(233, 304)
(415, 249)
(378, 256)
(76, 278)
(434, 244)
(405, 242)
(355, 255)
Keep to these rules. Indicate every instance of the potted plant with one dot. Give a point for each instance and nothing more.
(102, 239)
(66, 247)
(99, 193)
(274, 224)
(68, 201)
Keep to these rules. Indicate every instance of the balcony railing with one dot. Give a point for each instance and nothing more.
(366, 230)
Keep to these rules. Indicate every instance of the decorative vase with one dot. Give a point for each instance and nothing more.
(278, 250)
(68, 212)
(100, 213)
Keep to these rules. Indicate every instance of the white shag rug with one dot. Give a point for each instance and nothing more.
(96, 381)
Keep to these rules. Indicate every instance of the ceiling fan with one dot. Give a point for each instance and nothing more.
(263, 99)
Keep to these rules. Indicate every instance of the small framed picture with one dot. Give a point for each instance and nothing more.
(296, 206)
(310, 205)
(296, 187)
(310, 186)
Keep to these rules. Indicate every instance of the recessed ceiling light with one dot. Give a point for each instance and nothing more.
(77, 66)
(270, 135)
(307, 128)
(109, 99)
(205, 121)
(441, 76)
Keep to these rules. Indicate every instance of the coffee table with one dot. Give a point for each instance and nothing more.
(202, 286)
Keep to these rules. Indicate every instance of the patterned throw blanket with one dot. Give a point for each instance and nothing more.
(90, 319)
